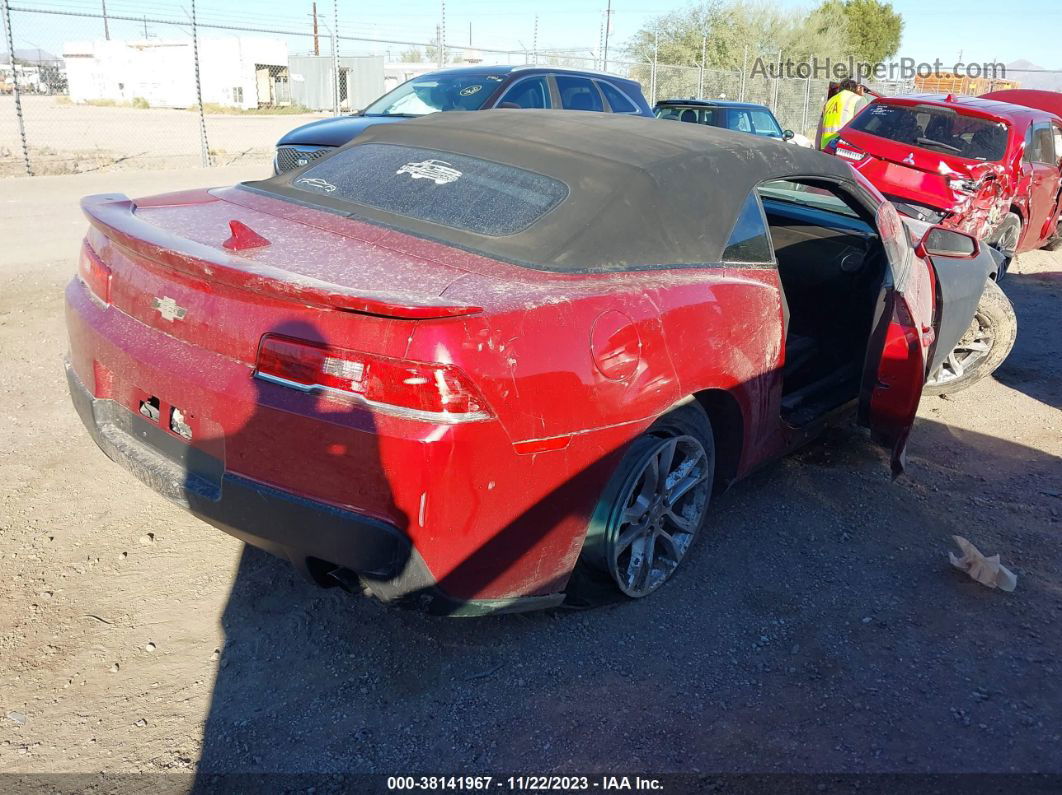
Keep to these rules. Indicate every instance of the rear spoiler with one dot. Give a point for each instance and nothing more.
(114, 214)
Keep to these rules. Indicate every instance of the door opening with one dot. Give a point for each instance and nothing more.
(831, 265)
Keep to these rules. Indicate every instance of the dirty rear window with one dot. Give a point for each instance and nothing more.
(452, 190)
(937, 129)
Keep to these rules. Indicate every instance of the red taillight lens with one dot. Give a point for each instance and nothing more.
(893, 235)
(849, 151)
(94, 273)
(429, 391)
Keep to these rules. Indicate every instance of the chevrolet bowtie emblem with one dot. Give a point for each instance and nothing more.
(169, 309)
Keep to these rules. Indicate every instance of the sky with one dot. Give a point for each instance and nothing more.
(981, 30)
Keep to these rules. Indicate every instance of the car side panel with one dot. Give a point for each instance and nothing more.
(556, 355)
(724, 330)
(575, 369)
(1043, 203)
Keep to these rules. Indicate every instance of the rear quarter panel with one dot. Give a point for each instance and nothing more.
(724, 330)
(531, 353)
(532, 356)
(697, 329)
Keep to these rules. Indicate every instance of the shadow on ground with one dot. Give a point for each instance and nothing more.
(816, 627)
(1031, 367)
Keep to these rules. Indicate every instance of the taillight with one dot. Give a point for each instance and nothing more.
(428, 391)
(95, 275)
(849, 151)
(893, 236)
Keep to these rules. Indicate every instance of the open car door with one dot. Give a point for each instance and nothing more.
(901, 341)
(962, 267)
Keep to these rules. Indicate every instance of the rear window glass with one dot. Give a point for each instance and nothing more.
(710, 116)
(936, 129)
(438, 187)
(806, 195)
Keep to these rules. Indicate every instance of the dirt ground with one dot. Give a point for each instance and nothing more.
(69, 138)
(817, 627)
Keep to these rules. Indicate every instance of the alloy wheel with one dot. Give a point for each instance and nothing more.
(973, 348)
(1008, 240)
(1006, 243)
(658, 514)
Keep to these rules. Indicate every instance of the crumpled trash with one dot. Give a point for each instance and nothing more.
(987, 571)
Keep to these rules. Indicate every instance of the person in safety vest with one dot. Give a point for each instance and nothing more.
(839, 110)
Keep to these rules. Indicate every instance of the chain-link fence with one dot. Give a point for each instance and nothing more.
(82, 91)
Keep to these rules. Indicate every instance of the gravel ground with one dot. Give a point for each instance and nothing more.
(817, 626)
(70, 138)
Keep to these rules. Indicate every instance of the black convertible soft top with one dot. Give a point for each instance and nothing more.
(555, 190)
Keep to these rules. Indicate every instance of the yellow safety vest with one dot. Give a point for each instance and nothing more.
(839, 110)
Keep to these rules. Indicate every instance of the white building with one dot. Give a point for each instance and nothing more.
(236, 71)
(361, 80)
(397, 73)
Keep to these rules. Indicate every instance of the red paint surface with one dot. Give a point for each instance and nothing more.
(571, 367)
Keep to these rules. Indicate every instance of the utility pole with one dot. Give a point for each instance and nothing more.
(744, 72)
(599, 62)
(316, 43)
(470, 34)
(608, 30)
(145, 27)
(204, 147)
(534, 41)
(442, 33)
(106, 29)
(777, 83)
(10, 36)
(335, 57)
(704, 51)
(652, 81)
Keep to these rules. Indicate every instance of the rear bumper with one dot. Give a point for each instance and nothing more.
(284, 524)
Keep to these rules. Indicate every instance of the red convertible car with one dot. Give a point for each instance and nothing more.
(464, 357)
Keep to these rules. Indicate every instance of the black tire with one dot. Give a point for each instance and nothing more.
(1054, 244)
(994, 323)
(1005, 240)
(641, 531)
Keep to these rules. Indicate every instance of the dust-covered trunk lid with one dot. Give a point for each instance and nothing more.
(220, 274)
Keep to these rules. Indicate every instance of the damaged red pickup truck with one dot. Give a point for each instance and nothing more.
(977, 164)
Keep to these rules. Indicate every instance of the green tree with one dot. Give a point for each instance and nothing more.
(736, 28)
(411, 55)
(874, 28)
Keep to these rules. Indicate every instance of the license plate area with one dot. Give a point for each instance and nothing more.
(910, 178)
(189, 449)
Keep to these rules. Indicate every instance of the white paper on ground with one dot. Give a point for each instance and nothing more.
(985, 570)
